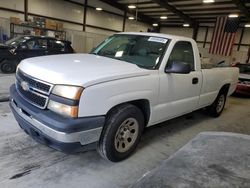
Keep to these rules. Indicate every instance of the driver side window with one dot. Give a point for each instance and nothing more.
(182, 52)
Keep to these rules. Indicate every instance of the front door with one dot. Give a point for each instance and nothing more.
(179, 93)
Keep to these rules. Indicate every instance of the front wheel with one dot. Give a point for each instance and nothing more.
(218, 105)
(121, 133)
(8, 67)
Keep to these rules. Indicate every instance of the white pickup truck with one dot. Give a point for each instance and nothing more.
(106, 98)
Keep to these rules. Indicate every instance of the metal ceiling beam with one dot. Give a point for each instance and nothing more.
(242, 8)
(155, 11)
(123, 7)
(228, 9)
(151, 7)
(201, 4)
(138, 3)
(181, 22)
(147, 9)
(171, 8)
(193, 14)
(209, 9)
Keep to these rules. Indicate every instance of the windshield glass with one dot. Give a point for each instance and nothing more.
(16, 41)
(144, 51)
(244, 69)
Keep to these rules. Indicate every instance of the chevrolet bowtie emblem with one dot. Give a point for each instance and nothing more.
(25, 85)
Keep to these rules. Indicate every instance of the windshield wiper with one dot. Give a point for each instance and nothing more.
(144, 67)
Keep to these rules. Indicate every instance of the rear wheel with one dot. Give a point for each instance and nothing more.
(217, 107)
(7, 67)
(121, 133)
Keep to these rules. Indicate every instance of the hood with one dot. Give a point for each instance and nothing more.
(79, 69)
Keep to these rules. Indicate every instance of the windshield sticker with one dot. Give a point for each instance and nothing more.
(157, 39)
(119, 54)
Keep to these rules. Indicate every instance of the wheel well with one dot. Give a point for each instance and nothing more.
(225, 88)
(142, 104)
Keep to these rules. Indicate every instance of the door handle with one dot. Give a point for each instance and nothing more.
(195, 81)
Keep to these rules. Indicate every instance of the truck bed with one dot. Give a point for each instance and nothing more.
(213, 79)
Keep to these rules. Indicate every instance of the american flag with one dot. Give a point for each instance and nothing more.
(224, 35)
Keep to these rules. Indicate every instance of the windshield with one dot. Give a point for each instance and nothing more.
(16, 41)
(144, 51)
(244, 69)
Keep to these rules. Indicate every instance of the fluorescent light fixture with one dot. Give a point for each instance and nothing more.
(186, 25)
(247, 25)
(155, 24)
(98, 8)
(208, 1)
(233, 15)
(132, 6)
(131, 18)
(163, 17)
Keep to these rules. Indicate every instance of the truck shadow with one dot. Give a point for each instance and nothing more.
(238, 95)
(173, 126)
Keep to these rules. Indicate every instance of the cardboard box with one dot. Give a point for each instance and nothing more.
(59, 26)
(50, 24)
(15, 20)
(37, 32)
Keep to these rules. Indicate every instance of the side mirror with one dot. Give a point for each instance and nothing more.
(178, 67)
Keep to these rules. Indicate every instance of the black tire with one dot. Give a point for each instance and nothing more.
(8, 67)
(111, 140)
(218, 105)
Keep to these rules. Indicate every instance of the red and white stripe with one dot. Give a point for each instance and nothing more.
(222, 42)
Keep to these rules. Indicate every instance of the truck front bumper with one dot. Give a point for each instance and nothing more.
(64, 134)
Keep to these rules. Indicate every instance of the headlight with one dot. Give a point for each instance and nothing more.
(70, 92)
(63, 109)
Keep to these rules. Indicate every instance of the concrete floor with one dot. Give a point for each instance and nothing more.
(5, 81)
(210, 160)
(25, 163)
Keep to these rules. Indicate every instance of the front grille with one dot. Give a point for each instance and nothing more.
(33, 98)
(42, 87)
(36, 91)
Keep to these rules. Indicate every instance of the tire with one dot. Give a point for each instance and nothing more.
(8, 67)
(121, 133)
(218, 105)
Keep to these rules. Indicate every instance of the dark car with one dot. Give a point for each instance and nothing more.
(24, 47)
(243, 86)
